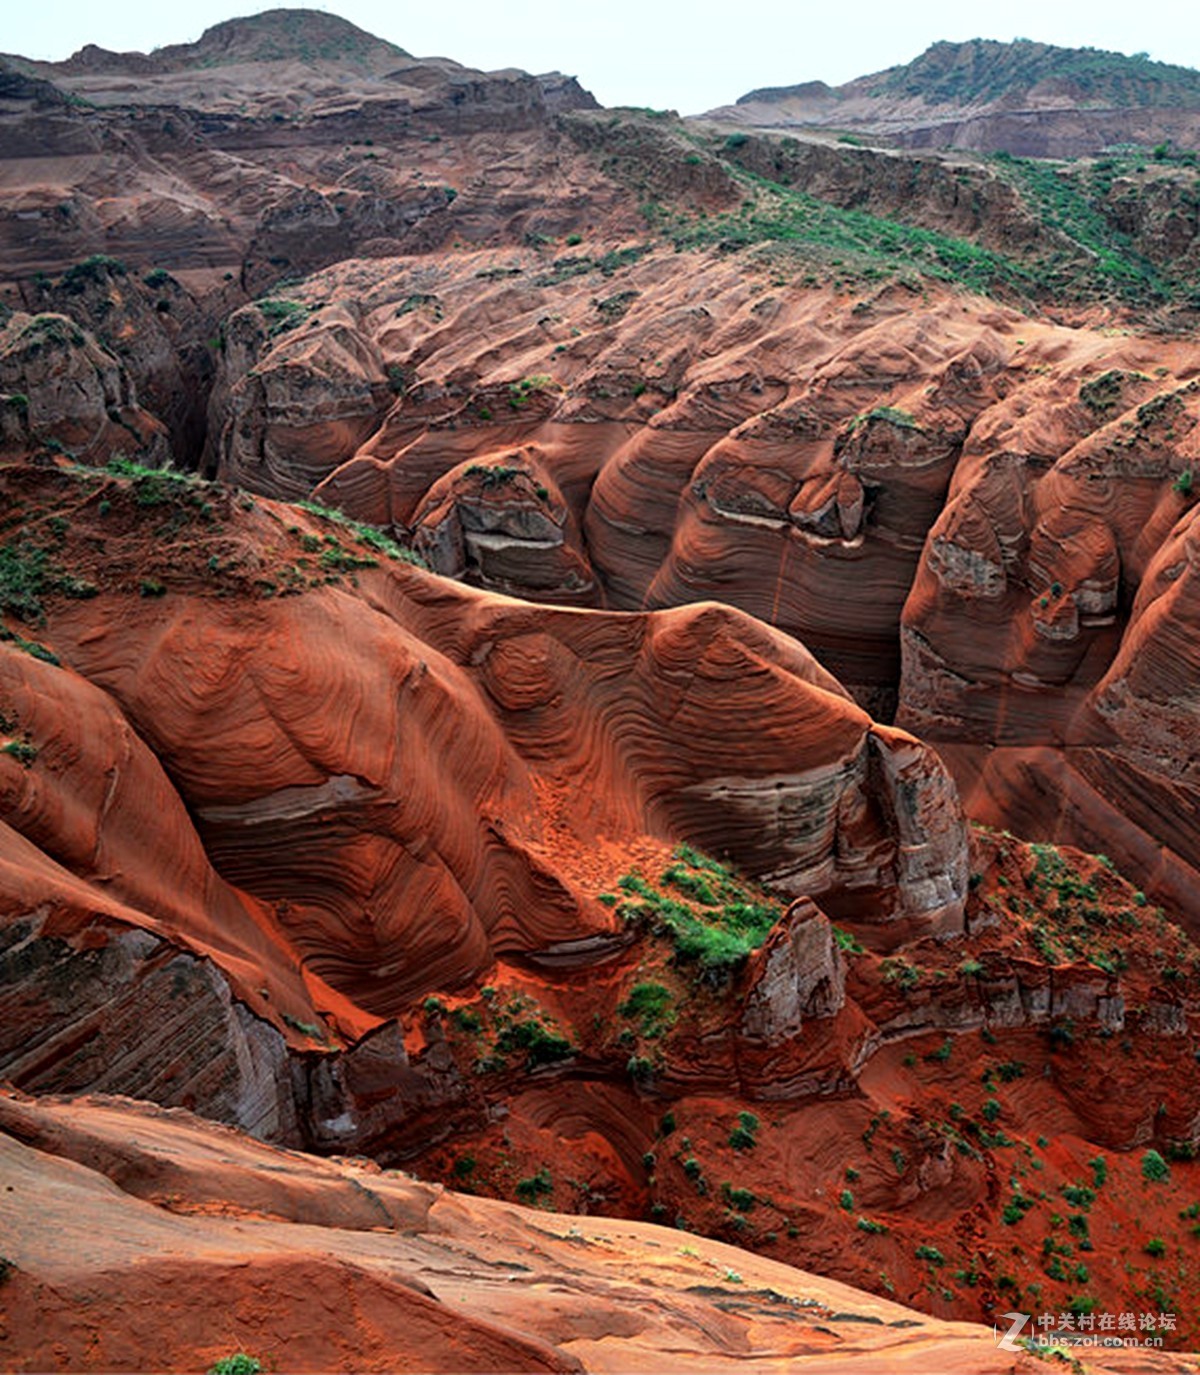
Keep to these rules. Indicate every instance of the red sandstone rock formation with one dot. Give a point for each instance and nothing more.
(114, 1206)
(391, 859)
(391, 865)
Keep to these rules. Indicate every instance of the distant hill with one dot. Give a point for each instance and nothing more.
(282, 64)
(982, 70)
(1028, 98)
(296, 35)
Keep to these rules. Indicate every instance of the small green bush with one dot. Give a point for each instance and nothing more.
(866, 1224)
(1154, 1167)
(237, 1364)
(741, 1199)
(651, 1003)
(1079, 1195)
(742, 1137)
(536, 1186)
(640, 1068)
(542, 1046)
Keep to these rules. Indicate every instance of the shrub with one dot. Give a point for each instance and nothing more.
(651, 1002)
(464, 1166)
(466, 1020)
(1079, 1195)
(741, 1199)
(94, 270)
(541, 1045)
(282, 315)
(694, 886)
(900, 972)
(237, 1364)
(536, 1186)
(866, 1224)
(1154, 1167)
(27, 574)
(847, 1200)
(1156, 1246)
(742, 1137)
(931, 1254)
(1016, 1208)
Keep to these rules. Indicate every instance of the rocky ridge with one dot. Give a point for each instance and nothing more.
(1031, 99)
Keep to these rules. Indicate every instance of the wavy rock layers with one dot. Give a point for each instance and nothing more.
(1050, 609)
(398, 834)
(125, 1204)
(371, 787)
(952, 507)
(76, 1013)
(716, 442)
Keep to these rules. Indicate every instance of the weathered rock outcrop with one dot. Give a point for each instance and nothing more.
(61, 388)
(798, 975)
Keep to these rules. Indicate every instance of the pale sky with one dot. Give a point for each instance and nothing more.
(687, 57)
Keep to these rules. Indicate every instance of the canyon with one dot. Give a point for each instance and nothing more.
(594, 687)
